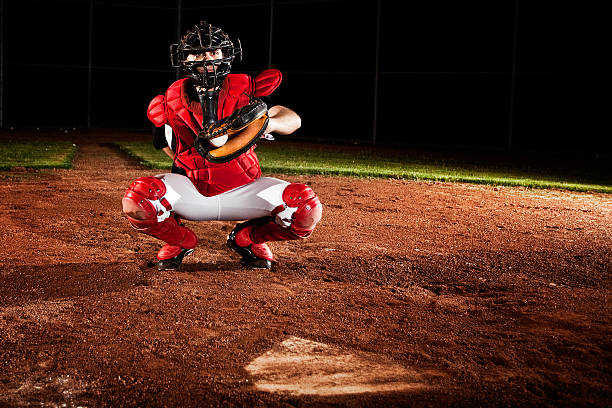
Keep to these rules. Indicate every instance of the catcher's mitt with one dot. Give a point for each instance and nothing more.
(243, 128)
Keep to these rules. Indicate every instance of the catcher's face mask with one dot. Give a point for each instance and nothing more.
(193, 55)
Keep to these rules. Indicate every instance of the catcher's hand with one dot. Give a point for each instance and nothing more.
(243, 128)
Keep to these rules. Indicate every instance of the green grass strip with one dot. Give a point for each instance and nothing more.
(145, 154)
(365, 162)
(37, 154)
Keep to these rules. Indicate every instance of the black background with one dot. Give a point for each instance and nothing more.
(445, 73)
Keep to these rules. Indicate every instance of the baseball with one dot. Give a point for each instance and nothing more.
(219, 141)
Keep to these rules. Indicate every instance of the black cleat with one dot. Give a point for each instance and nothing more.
(173, 264)
(249, 259)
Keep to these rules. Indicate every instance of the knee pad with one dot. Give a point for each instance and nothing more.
(302, 209)
(140, 202)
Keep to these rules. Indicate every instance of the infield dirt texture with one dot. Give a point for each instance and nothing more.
(407, 294)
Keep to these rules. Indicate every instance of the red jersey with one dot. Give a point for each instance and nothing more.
(185, 117)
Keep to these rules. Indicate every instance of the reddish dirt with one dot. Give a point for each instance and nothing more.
(407, 294)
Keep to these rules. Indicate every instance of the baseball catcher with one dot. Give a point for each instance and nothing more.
(209, 122)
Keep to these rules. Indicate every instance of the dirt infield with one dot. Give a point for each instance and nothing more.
(407, 294)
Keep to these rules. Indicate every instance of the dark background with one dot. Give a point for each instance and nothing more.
(500, 75)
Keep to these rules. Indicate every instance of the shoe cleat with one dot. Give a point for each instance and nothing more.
(172, 264)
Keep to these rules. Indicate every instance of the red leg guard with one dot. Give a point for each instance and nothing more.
(259, 249)
(272, 232)
(309, 209)
(168, 231)
(305, 209)
(294, 219)
(143, 217)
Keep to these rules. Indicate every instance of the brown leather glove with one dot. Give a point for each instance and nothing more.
(243, 128)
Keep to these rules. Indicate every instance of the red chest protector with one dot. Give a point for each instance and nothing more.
(185, 117)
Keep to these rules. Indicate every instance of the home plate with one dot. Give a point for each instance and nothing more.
(299, 366)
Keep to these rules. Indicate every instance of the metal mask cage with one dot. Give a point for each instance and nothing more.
(203, 38)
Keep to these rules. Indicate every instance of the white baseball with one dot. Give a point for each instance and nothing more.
(218, 141)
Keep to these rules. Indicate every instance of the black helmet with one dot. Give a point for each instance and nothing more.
(205, 37)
